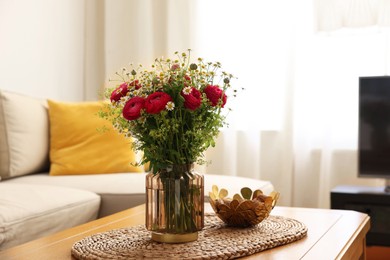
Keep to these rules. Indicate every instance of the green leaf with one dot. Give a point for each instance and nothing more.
(246, 193)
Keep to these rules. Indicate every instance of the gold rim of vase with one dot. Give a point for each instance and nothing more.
(174, 238)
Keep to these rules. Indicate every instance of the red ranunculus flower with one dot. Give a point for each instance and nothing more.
(215, 94)
(133, 107)
(192, 100)
(156, 102)
(175, 66)
(135, 84)
(187, 80)
(119, 92)
(186, 77)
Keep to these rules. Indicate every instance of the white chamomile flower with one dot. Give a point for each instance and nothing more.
(137, 92)
(187, 90)
(170, 106)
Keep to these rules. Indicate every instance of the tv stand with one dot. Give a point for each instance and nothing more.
(374, 201)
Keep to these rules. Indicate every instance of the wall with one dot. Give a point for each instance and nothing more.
(42, 48)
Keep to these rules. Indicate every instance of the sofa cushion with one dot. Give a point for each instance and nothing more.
(78, 147)
(118, 191)
(30, 211)
(24, 135)
(123, 190)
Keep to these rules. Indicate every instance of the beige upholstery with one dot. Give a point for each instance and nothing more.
(31, 211)
(118, 191)
(24, 135)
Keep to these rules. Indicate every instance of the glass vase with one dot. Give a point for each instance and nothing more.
(175, 204)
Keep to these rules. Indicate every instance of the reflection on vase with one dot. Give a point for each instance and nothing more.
(175, 204)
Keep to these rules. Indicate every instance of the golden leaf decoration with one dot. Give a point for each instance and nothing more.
(256, 193)
(223, 193)
(234, 204)
(215, 190)
(212, 196)
(237, 197)
(245, 205)
(245, 211)
(246, 193)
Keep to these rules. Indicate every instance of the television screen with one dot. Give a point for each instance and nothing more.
(374, 127)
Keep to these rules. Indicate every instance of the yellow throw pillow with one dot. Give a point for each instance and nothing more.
(76, 145)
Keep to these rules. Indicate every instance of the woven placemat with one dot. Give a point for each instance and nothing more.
(215, 241)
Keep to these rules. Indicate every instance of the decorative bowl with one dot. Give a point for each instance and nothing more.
(246, 210)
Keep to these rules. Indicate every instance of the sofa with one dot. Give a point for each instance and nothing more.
(50, 180)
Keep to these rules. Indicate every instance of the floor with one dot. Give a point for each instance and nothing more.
(378, 253)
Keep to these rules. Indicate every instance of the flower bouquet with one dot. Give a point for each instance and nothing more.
(174, 112)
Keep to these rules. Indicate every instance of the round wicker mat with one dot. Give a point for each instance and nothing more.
(216, 241)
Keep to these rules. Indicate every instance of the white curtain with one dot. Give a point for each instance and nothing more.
(119, 32)
(296, 123)
(336, 14)
(137, 31)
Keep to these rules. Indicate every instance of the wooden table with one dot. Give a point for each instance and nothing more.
(332, 234)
